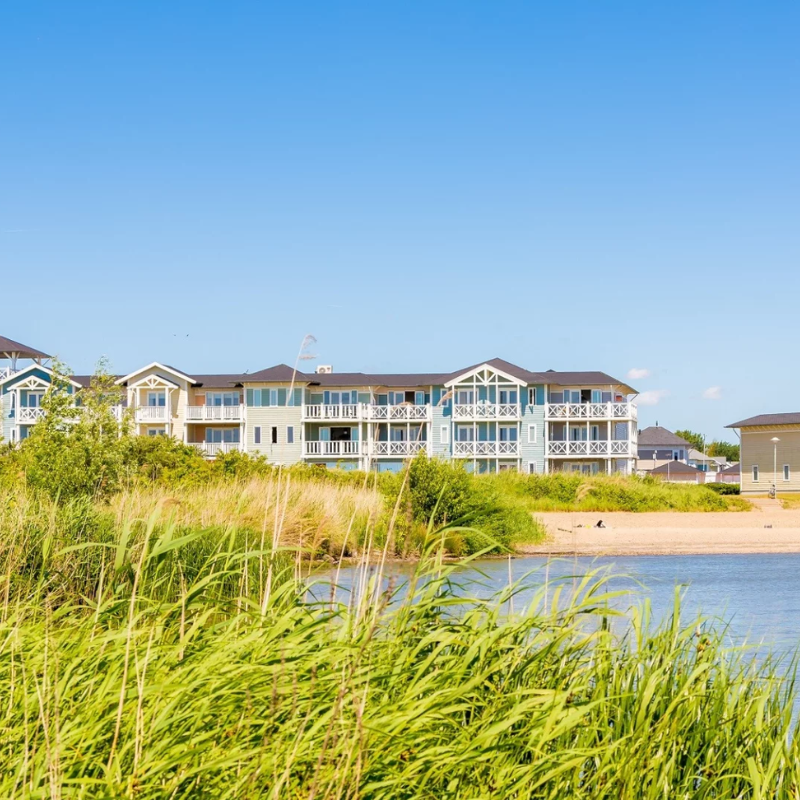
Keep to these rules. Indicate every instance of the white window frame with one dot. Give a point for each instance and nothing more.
(531, 468)
(755, 473)
(445, 432)
(532, 435)
(532, 397)
(38, 394)
(156, 432)
(787, 473)
(157, 393)
(290, 434)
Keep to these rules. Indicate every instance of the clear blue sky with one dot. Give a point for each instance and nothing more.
(420, 185)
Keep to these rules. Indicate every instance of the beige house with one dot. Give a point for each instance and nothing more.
(770, 453)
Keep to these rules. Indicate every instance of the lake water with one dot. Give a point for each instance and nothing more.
(757, 596)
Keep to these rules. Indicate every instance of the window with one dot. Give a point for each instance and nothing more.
(531, 434)
(532, 467)
(220, 435)
(508, 433)
(755, 473)
(257, 434)
(222, 398)
(595, 433)
(156, 432)
(290, 435)
(273, 397)
(465, 398)
(445, 430)
(465, 433)
(786, 472)
(274, 435)
(156, 399)
(508, 397)
(35, 399)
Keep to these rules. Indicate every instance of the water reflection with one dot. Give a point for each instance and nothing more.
(757, 596)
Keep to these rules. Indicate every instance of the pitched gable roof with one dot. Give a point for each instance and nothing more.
(280, 373)
(673, 468)
(790, 418)
(11, 349)
(656, 436)
(591, 378)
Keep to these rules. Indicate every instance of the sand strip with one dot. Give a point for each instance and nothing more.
(766, 529)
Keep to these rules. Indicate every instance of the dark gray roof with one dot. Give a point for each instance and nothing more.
(656, 436)
(211, 381)
(789, 418)
(11, 349)
(674, 467)
(280, 373)
(582, 379)
(86, 380)
(734, 469)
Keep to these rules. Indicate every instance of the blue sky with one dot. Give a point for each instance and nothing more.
(420, 185)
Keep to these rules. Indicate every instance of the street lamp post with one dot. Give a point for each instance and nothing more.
(775, 441)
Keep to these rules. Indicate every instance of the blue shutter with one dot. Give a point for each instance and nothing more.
(250, 397)
(281, 397)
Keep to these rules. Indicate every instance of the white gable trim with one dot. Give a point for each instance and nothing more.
(30, 368)
(495, 370)
(154, 381)
(153, 366)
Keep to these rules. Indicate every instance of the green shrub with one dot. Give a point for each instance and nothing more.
(724, 488)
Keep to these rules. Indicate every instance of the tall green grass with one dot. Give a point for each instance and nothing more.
(565, 492)
(189, 666)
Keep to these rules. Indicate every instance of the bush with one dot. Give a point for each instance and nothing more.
(724, 488)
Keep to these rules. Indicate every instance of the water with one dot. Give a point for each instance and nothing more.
(756, 596)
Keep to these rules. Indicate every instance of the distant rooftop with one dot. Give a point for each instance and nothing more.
(10, 349)
(789, 418)
(656, 436)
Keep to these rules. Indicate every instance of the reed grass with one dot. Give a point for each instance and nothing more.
(559, 492)
(189, 666)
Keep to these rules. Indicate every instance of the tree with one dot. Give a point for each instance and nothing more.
(77, 447)
(694, 439)
(724, 449)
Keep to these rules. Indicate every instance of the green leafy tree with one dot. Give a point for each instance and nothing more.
(694, 439)
(724, 449)
(77, 448)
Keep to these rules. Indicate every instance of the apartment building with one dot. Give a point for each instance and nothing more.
(493, 415)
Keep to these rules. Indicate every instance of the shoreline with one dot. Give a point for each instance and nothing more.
(768, 528)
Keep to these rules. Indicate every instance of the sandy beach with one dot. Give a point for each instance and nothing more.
(768, 528)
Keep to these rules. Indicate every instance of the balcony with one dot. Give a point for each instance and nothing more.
(214, 413)
(400, 413)
(151, 414)
(406, 449)
(29, 416)
(212, 449)
(332, 449)
(473, 449)
(621, 448)
(484, 411)
(332, 413)
(621, 411)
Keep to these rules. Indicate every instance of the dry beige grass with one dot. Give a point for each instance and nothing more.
(291, 513)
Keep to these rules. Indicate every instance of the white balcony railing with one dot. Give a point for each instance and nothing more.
(28, 416)
(590, 411)
(366, 411)
(214, 448)
(613, 447)
(486, 411)
(332, 412)
(406, 449)
(471, 449)
(214, 413)
(335, 449)
(402, 413)
(151, 414)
